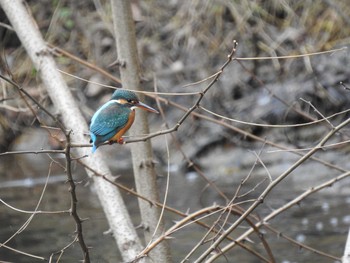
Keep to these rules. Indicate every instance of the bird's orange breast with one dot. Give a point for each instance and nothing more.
(120, 133)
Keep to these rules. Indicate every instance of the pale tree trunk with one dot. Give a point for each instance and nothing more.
(144, 172)
(346, 256)
(111, 201)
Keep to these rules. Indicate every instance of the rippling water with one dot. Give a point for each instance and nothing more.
(321, 221)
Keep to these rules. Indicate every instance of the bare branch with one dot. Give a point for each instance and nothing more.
(74, 201)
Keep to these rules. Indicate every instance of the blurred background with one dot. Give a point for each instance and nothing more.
(179, 43)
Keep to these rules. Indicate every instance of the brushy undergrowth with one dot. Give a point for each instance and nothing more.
(185, 41)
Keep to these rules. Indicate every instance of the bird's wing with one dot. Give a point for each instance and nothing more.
(109, 119)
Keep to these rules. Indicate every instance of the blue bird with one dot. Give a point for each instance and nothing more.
(115, 117)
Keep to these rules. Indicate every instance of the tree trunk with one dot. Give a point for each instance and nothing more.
(111, 201)
(346, 256)
(145, 176)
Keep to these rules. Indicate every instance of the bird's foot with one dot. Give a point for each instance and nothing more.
(120, 140)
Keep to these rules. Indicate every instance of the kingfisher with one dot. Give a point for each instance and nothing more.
(115, 117)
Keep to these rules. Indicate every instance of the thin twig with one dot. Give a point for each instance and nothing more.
(275, 125)
(27, 222)
(268, 189)
(31, 152)
(74, 201)
(22, 90)
(170, 209)
(59, 50)
(295, 201)
(33, 212)
(73, 209)
(295, 56)
(317, 111)
(22, 252)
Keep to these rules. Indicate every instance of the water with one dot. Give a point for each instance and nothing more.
(321, 221)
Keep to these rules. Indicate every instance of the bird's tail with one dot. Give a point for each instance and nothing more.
(94, 147)
(93, 141)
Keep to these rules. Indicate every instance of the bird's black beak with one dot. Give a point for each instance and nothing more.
(145, 107)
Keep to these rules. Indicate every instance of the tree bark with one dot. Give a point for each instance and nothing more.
(346, 256)
(143, 165)
(111, 200)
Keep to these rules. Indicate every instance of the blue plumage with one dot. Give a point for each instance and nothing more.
(115, 117)
(107, 121)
